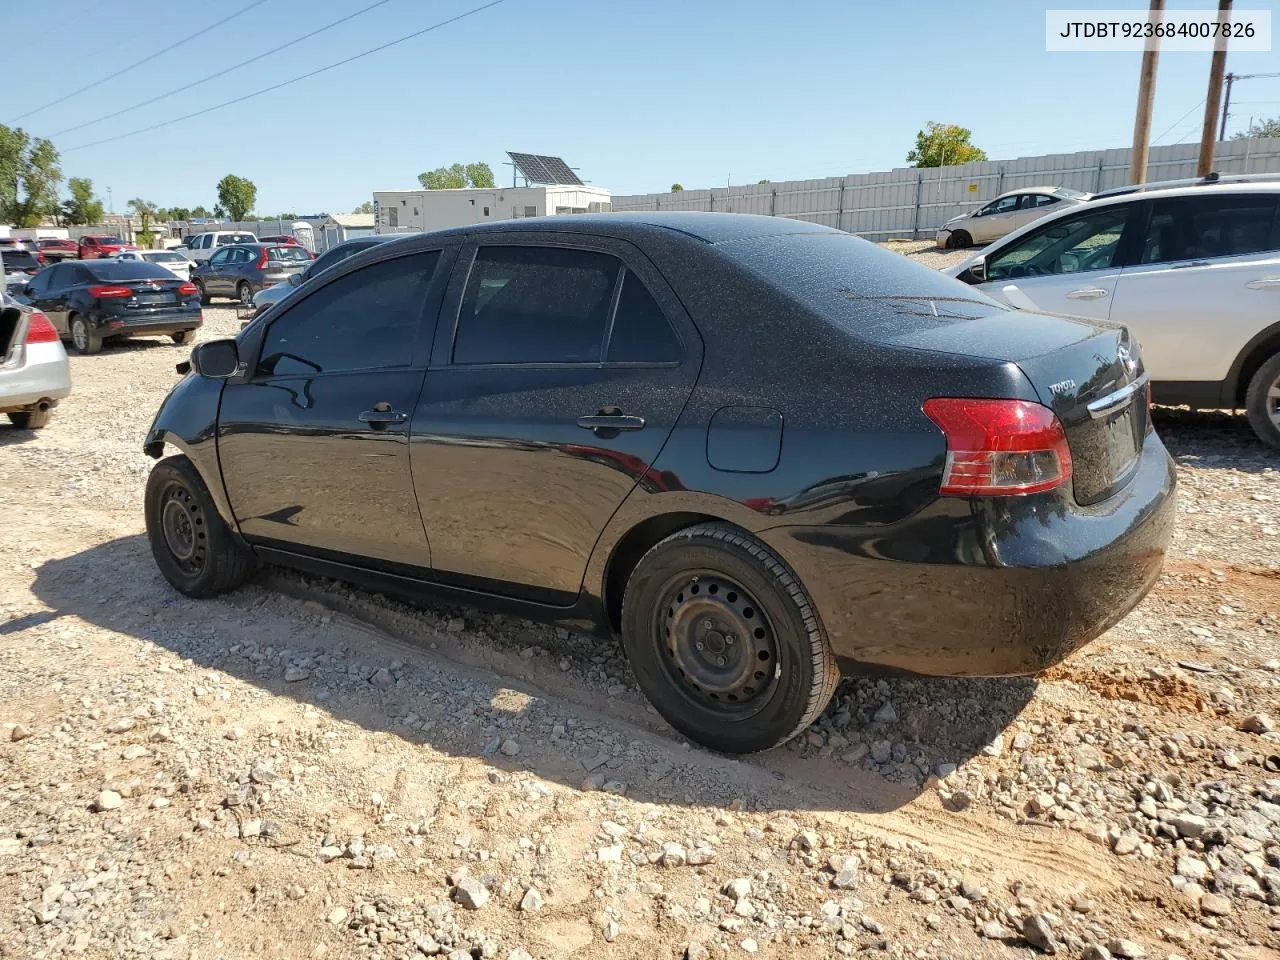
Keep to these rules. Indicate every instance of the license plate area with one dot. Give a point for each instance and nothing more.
(155, 299)
(1105, 451)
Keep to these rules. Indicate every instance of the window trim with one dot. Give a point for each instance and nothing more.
(420, 349)
(1124, 246)
(463, 277)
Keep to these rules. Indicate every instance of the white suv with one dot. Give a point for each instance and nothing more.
(203, 245)
(1193, 272)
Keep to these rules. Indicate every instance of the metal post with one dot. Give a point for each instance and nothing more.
(1146, 97)
(840, 206)
(1217, 66)
(915, 224)
(1226, 106)
(1097, 181)
(773, 202)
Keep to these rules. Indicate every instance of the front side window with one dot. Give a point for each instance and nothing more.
(1070, 245)
(1207, 227)
(1003, 205)
(535, 305)
(368, 319)
(219, 258)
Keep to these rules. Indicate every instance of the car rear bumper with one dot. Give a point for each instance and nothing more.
(36, 372)
(988, 586)
(146, 324)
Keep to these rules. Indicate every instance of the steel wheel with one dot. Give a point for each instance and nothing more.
(720, 648)
(183, 526)
(1262, 402)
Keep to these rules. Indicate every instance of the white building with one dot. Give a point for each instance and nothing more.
(408, 211)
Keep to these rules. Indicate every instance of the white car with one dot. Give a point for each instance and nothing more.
(173, 261)
(1004, 214)
(1193, 272)
(203, 245)
(34, 371)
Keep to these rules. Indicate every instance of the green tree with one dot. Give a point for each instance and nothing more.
(366, 207)
(237, 196)
(942, 145)
(676, 187)
(1264, 128)
(199, 212)
(29, 178)
(219, 212)
(479, 174)
(761, 182)
(180, 213)
(83, 208)
(146, 211)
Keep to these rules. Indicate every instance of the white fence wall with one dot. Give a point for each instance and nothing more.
(910, 202)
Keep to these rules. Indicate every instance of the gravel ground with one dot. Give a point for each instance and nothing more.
(301, 769)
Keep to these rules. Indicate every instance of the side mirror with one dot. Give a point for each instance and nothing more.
(976, 272)
(295, 279)
(217, 359)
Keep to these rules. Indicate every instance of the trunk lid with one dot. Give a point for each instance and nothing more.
(1089, 374)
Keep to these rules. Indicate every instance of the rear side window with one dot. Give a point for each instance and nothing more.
(1202, 228)
(641, 332)
(535, 305)
(367, 319)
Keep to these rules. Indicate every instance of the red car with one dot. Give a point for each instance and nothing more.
(283, 238)
(54, 249)
(102, 246)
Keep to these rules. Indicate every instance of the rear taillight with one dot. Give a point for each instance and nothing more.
(110, 292)
(262, 259)
(40, 329)
(1000, 447)
(40, 257)
(188, 289)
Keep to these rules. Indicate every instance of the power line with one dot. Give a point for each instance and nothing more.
(220, 73)
(112, 76)
(285, 83)
(1198, 105)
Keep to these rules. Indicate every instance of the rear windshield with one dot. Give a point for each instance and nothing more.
(288, 254)
(105, 239)
(113, 271)
(1070, 194)
(229, 238)
(857, 285)
(163, 256)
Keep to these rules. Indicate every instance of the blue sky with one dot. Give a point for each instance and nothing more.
(637, 94)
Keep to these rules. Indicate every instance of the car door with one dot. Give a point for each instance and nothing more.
(559, 369)
(313, 439)
(1068, 266)
(38, 293)
(1205, 282)
(995, 219)
(215, 272)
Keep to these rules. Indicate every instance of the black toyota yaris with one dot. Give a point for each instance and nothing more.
(754, 449)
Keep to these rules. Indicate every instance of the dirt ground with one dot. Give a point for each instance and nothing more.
(301, 769)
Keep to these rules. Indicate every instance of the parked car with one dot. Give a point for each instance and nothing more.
(203, 245)
(280, 238)
(20, 263)
(171, 260)
(92, 247)
(1004, 214)
(55, 249)
(753, 448)
(108, 299)
(1193, 271)
(34, 372)
(269, 295)
(241, 271)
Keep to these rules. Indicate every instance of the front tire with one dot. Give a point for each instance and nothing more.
(31, 419)
(194, 549)
(959, 240)
(1262, 402)
(182, 337)
(83, 337)
(724, 640)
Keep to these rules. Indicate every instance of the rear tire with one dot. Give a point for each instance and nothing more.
(183, 337)
(244, 293)
(724, 640)
(959, 240)
(204, 294)
(82, 336)
(1262, 402)
(194, 549)
(31, 419)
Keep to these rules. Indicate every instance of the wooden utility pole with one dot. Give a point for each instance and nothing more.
(1217, 67)
(1226, 107)
(1146, 98)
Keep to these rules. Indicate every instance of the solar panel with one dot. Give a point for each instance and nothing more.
(539, 169)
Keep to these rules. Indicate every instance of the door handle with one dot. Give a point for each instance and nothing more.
(382, 415)
(607, 423)
(1088, 293)
(1266, 283)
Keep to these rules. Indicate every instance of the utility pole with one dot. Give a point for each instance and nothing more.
(1217, 67)
(1226, 106)
(1146, 97)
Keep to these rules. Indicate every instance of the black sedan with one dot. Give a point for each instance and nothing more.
(90, 301)
(754, 449)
